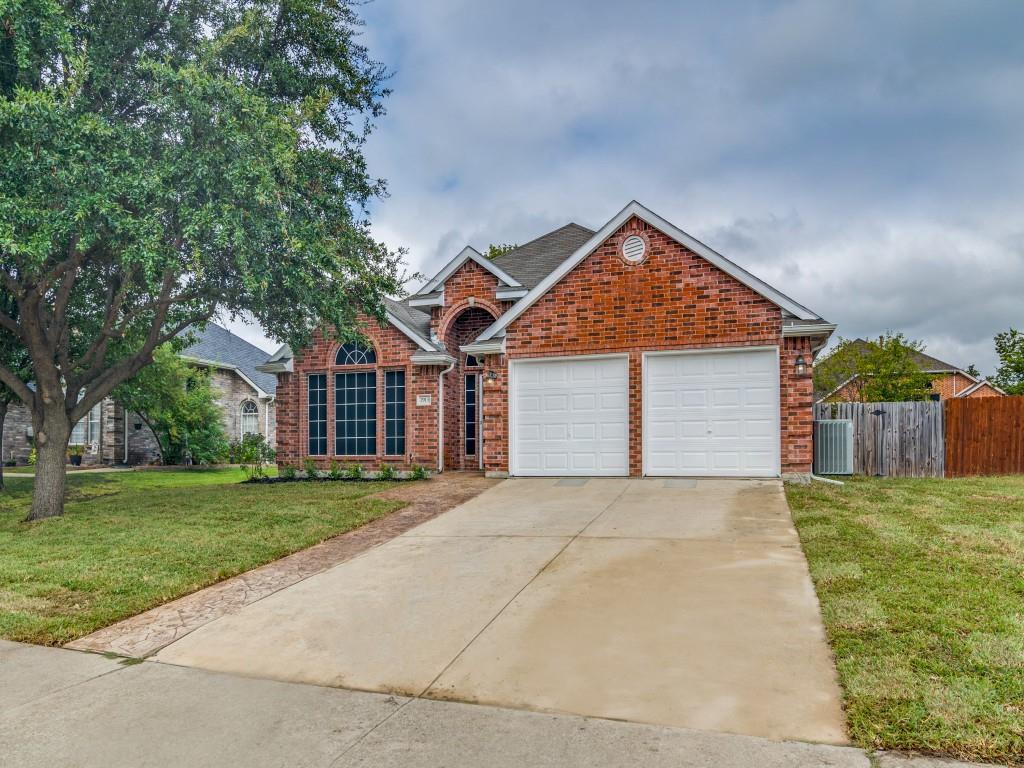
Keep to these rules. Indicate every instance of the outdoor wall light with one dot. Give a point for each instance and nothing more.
(801, 365)
(492, 376)
(138, 425)
(29, 432)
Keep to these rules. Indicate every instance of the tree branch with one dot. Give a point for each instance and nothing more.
(16, 385)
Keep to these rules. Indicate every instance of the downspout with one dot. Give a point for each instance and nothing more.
(440, 415)
(124, 411)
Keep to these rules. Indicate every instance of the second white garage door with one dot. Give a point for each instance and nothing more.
(570, 416)
(712, 413)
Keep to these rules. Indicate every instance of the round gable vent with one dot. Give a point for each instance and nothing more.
(634, 249)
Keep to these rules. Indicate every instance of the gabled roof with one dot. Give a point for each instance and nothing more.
(467, 254)
(975, 387)
(533, 261)
(596, 239)
(221, 348)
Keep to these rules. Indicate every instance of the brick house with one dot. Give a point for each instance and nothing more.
(110, 436)
(632, 350)
(948, 381)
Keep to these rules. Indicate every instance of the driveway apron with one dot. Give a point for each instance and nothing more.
(670, 602)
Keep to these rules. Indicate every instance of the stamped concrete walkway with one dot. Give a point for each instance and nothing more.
(678, 603)
(145, 634)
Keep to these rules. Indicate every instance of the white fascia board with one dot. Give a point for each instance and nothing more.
(466, 254)
(432, 358)
(978, 385)
(815, 329)
(420, 341)
(510, 293)
(490, 347)
(636, 209)
(279, 366)
(227, 367)
(427, 301)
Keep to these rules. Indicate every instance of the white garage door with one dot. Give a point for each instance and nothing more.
(570, 416)
(712, 413)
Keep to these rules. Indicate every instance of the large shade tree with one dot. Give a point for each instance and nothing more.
(165, 160)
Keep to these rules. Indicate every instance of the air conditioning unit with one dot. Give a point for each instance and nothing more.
(833, 447)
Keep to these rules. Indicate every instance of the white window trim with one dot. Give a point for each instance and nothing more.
(242, 416)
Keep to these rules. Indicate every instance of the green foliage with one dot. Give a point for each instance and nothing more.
(310, 466)
(418, 473)
(387, 472)
(354, 472)
(254, 454)
(163, 162)
(972, 370)
(288, 472)
(32, 457)
(76, 450)
(886, 369)
(335, 471)
(177, 402)
(494, 250)
(1010, 375)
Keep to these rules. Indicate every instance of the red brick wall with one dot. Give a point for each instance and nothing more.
(673, 300)
(393, 350)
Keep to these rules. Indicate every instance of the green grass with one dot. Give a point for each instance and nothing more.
(131, 540)
(921, 584)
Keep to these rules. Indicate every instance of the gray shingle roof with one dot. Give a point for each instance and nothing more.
(416, 320)
(219, 345)
(533, 261)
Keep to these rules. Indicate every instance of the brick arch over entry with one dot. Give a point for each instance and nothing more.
(454, 314)
(460, 327)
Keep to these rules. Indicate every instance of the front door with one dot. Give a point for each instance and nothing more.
(473, 439)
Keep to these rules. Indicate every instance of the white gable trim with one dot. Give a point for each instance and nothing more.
(468, 253)
(228, 367)
(975, 387)
(636, 209)
(420, 341)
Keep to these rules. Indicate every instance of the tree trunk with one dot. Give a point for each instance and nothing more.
(52, 437)
(3, 418)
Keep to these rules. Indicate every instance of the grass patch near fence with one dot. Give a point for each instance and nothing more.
(921, 584)
(132, 540)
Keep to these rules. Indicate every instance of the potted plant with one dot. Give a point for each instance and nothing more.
(75, 455)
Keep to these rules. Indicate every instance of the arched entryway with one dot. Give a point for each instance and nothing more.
(463, 397)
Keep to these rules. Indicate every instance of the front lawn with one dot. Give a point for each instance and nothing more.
(132, 540)
(921, 585)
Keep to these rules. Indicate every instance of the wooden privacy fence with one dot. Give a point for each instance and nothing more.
(985, 436)
(893, 439)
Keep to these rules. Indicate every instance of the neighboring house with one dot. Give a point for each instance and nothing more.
(633, 350)
(948, 381)
(244, 394)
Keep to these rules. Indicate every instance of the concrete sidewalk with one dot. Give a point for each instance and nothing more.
(68, 708)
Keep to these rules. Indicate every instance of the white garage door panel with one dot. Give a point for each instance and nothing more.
(712, 413)
(570, 417)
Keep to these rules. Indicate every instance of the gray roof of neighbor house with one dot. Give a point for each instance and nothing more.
(533, 261)
(218, 345)
(925, 362)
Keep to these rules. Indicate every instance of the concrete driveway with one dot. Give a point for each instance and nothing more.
(669, 602)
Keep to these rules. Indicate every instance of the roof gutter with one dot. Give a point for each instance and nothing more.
(489, 347)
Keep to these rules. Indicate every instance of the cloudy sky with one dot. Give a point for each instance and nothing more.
(866, 158)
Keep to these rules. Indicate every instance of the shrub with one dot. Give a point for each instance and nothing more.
(335, 471)
(32, 457)
(288, 472)
(387, 472)
(310, 466)
(354, 472)
(419, 473)
(254, 454)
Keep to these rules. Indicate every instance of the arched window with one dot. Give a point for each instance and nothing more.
(355, 353)
(249, 417)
